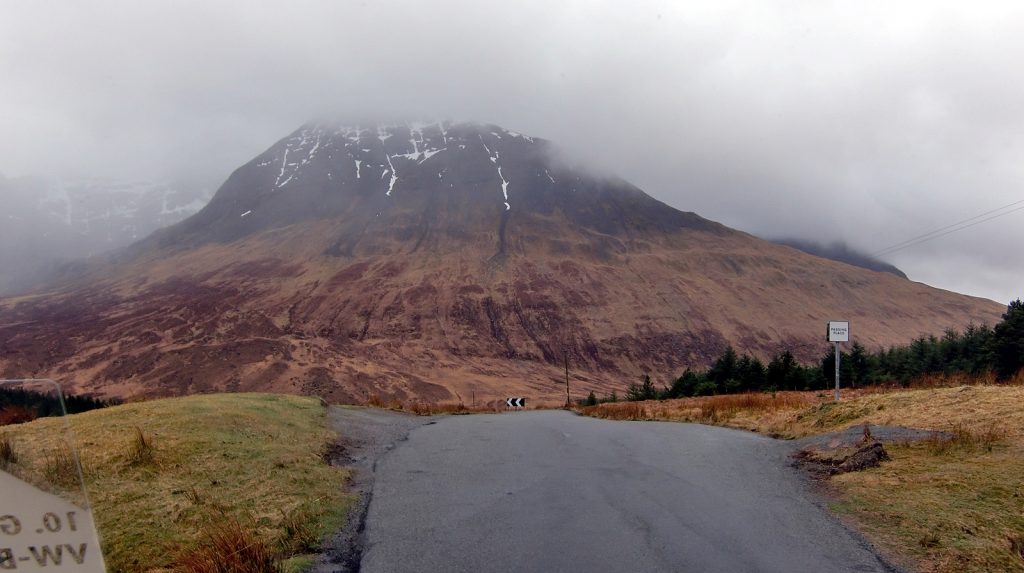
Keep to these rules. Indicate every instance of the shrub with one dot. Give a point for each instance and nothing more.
(15, 414)
(706, 388)
(961, 437)
(8, 456)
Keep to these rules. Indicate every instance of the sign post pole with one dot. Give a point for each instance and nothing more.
(837, 371)
(838, 331)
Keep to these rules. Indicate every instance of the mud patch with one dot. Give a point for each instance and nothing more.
(827, 463)
(365, 435)
(833, 454)
(337, 454)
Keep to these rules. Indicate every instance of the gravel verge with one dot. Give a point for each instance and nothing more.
(366, 434)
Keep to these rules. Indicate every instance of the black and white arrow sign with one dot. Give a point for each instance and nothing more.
(516, 402)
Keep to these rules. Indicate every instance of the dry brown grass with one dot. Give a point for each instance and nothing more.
(429, 409)
(193, 496)
(421, 408)
(140, 448)
(975, 407)
(622, 410)
(725, 407)
(949, 501)
(229, 546)
(60, 467)
(941, 380)
(378, 401)
(962, 437)
(754, 411)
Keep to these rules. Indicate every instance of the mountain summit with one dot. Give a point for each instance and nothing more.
(435, 261)
(441, 178)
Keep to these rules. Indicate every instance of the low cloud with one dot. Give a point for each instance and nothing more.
(866, 124)
(843, 253)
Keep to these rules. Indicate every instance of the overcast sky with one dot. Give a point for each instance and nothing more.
(864, 122)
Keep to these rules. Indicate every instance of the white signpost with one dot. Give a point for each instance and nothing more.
(44, 526)
(838, 331)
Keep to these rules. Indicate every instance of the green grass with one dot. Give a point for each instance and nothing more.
(255, 459)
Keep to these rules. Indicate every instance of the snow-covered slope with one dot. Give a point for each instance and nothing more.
(445, 179)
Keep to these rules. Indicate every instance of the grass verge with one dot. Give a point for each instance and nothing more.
(766, 413)
(173, 480)
(421, 408)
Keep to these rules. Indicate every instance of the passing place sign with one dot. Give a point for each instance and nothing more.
(839, 331)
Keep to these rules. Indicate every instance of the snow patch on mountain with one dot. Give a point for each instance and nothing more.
(401, 150)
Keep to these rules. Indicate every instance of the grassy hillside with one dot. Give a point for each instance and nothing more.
(244, 470)
(945, 504)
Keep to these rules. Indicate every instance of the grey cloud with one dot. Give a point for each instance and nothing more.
(863, 123)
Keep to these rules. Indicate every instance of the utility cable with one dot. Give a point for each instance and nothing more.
(958, 226)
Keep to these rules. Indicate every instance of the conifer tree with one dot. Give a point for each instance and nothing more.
(1008, 341)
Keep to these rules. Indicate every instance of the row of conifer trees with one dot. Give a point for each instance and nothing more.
(978, 350)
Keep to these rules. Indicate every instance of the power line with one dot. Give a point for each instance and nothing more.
(936, 234)
(958, 226)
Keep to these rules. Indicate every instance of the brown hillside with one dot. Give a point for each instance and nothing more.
(436, 262)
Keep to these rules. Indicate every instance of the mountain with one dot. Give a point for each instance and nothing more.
(51, 222)
(437, 262)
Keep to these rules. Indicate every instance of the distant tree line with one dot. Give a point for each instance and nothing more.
(977, 350)
(20, 405)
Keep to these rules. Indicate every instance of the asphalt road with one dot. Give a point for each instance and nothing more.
(550, 491)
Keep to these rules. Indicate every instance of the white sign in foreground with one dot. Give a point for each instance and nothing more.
(839, 331)
(40, 531)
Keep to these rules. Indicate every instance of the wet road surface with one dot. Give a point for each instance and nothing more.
(552, 491)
